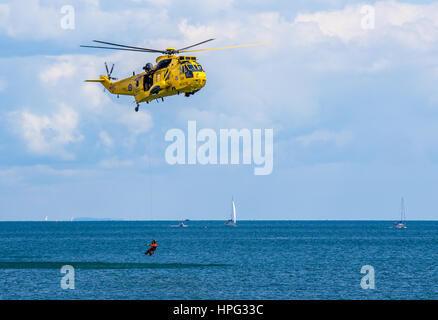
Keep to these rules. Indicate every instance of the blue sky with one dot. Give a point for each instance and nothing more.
(354, 111)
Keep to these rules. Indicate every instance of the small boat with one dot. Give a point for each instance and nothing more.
(182, 225)
(402, 223)
(232, 222)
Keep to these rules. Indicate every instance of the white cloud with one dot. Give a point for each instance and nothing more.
(338, 138)
(58, 71)
(344, 24)
(137, 122)
(4, 11)
(38, 20)
(408, 24)
(159, 3)
(28, 18)
(105, 139)
(63, 76)
(411, 25)
(47, 134)
(94, 96)
(304, 51)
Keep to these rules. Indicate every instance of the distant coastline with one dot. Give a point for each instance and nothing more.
(93, 219)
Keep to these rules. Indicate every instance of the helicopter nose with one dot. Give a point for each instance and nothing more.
(200, 79)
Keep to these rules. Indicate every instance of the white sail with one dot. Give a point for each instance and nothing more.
(234, 212)
(233, 219)
(402, 223)
(403, 210)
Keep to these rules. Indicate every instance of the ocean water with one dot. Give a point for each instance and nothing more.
(207, 260)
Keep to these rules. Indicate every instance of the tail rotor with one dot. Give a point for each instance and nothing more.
(109, 72)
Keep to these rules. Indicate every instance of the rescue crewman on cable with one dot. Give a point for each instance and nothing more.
(153, 246)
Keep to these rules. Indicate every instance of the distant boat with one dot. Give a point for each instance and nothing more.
(46, 218)
(232, 222)
(182, 225)
(402, 223)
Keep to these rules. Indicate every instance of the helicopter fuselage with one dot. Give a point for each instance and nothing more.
(170, 76)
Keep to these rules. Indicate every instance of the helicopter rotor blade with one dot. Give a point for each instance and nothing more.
(194, 45)
(106, 67)
(112, 68)
(239, 46)
(129, 47)
(135, 50)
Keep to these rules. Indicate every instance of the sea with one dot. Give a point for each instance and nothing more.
(284, 260)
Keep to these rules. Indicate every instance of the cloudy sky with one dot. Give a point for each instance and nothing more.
(354, 110)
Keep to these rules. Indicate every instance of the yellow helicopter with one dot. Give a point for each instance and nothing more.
(170, 76)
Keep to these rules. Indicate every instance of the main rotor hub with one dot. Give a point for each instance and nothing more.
(171, 51)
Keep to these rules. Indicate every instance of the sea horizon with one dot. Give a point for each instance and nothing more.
(241, 220)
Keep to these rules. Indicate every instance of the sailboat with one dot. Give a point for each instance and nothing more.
(232, 222)
(402, 223)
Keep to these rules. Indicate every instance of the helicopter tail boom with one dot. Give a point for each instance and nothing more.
(105, 82)
(95, 80)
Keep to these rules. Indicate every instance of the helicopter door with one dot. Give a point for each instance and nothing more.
(147, 82)
(188, 70)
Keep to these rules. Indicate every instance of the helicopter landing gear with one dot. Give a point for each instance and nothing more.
(188, 94)
(137, 107)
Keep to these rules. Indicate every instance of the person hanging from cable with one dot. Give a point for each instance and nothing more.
(153, 246)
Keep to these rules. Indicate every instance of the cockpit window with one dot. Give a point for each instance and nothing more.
(197, 67)
(191, 67)
(163, 64)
